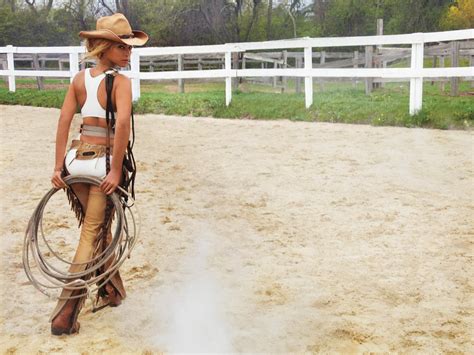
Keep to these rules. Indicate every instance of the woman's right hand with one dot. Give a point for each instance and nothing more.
(57, 181)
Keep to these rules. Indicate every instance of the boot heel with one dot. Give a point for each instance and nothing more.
(73, 324)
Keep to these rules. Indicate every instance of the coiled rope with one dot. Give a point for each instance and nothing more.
(90, 279)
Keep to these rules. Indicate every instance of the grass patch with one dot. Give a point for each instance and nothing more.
(33, 97)
(339, 102)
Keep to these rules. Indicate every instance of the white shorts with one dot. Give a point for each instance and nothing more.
(90, 167)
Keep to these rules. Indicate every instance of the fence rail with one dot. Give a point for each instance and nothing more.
(415, 73)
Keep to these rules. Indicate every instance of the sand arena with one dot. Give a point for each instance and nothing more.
(261, 236)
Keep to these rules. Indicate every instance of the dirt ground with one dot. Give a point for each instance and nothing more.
(260, 236)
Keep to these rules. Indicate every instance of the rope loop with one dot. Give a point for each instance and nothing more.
(43, 275)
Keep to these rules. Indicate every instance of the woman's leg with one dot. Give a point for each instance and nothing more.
(82, 192)
(114, 288)
(93, 220)
(63, 317)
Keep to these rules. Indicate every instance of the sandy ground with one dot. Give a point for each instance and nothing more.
(261, 236)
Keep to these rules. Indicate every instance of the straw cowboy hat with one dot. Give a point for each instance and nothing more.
(116, 28)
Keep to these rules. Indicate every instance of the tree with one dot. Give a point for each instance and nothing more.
(459, 16)
(200, 22)
(122, 6)
(408, 16)
(79, 14)
(319, 10)
(358, 17)
(350, 18)
(269, 19)
(11, 3)
(45, 9)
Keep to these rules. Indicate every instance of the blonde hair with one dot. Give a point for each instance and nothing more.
(96, 48)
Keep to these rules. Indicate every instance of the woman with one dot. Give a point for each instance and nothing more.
(111, 44)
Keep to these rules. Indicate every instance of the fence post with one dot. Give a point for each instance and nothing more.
(284, 78)
(322, 60)
(274, 81)
(298, 64)
(384, 65)
(4, 67)
(60, 63)
(369, 61)
(37, 66)
(228, 79)
(355, 64)
(235, 61)
(435, 63)
(471, 63)
(11, 68)
(244, 63)
(378, 63)
(73, 65)
(199, 62)
(416, 83)
(455, 63)
(180, 68)
(308, 80)
(135, 71)
(441, 65)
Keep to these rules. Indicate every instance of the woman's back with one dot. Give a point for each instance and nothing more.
(92, 106)
(91, 95)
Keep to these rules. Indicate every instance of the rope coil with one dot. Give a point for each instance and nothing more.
(120, 247)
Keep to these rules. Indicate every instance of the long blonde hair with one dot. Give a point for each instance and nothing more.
(96, 48)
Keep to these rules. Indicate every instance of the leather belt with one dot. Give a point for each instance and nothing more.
(95, 131)
(86, 151)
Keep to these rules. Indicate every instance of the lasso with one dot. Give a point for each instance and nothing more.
(123, 241)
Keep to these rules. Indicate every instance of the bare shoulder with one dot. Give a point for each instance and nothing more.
(80, 74)
(123, 82)
(78, 78)
(123, 79)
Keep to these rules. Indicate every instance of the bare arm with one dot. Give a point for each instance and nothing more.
(64, 123)
(123, 99)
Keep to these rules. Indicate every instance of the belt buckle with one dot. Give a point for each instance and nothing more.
(86, 154)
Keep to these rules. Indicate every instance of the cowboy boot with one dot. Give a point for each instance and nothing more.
(114, 289)
(114, 297)
(65, 322)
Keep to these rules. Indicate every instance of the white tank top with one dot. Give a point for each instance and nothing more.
(92, 106)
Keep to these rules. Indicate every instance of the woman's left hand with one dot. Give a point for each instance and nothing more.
(110, 183)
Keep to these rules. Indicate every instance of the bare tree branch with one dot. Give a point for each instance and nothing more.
(288, 9)
(237, 5)
(31, 5)
(12, 4)
(125, 8)
(209, 23)
(49, 6)
(254, 18)
(269, 19)
(106, 6)
(294, 4)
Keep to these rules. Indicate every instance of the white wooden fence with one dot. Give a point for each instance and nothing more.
(415, 73)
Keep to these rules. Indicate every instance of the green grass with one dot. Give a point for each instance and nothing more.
(33, 97)
(30, 82)
(338, 102)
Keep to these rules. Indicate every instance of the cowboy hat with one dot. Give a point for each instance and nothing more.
(116, 28)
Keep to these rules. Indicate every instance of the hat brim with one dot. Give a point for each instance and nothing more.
(139, 37)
